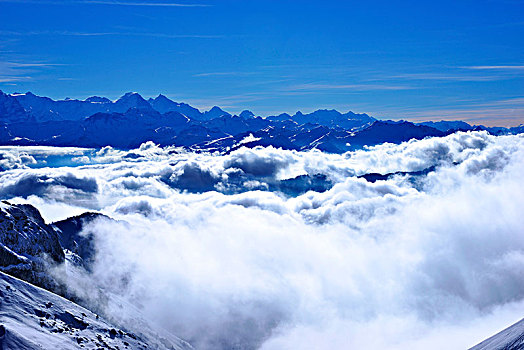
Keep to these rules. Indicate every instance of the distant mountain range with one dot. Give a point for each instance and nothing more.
(35, 318)
(28, 119)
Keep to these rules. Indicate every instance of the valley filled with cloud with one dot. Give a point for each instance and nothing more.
(410, 245)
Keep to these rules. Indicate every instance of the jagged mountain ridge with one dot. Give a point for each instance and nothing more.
(131, 120)
(41, 109)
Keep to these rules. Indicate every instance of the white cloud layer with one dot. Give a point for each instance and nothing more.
(415, 261)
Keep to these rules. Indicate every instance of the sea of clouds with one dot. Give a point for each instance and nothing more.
(210, 248)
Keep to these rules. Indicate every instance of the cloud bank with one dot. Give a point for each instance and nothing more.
(210, 248)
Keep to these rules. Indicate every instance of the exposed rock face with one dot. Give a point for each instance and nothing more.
(24, 231)
(74, 238)
(27, 244)
(30, 248)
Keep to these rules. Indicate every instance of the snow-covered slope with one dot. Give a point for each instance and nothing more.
(10, 110)
(33, 318)
(511, 338)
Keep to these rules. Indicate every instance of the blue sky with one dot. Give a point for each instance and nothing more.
(415, 60)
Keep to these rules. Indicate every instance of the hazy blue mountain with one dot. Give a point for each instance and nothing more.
(5, 135)
(195, 134)
(394, 132)
(97, 99)
(130, 100)
(246, 114)
(45, 109)
(517, 129)
(11, 111)
(28, 119)
(215, 112)
(128, 129)
(163, 104)
(497, 130)
(233, 124)
(330, 118)
(333, 118)
(448, 125)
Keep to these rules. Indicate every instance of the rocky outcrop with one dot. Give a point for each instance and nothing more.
(28, 246)
(23, 230)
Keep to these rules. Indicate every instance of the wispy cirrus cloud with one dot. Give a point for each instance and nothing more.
(30, 64)
(236, 102)
(13, 79)
(88, 34)
(12, 72)
(446, 77)
(223, 74)
(451, 74)
(494, 67)
(155, 4)
(504, 112)
(107, 2)
(351, 87)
